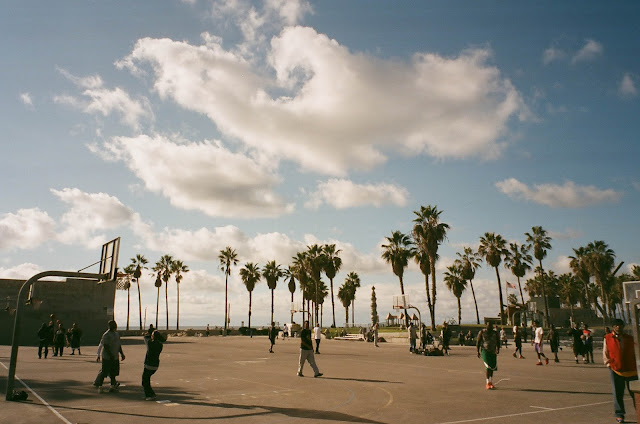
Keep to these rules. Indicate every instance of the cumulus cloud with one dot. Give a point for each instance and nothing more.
(552, 54)
(329, 109)
(201, 176)
(342, 194)
(568, 195)
(98, 99)
(89, 214)
(20, 272)
(590, 51)
(26, 99)
(627, 86)
(25, 229)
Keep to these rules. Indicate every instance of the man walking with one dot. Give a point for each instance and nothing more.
(412, 337)
(306, 351)
(317, 335)
(538, 340)
(272, 336)
(154, 343)
(576, 334)
(619, 356)
(111, 347)
(488, 347)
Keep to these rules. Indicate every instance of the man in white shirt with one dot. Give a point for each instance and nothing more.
(537, 342)
(317, 334)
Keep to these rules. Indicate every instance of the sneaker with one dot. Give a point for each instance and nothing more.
(491, 386)
(150, 397)
(522, 357)
(514, 355)
(488, 386)
(546, 361)
(300, 374)
(556, 360)
(318, 375)
(619, 420)
(100, 389)
(114, 387)
(538, 363)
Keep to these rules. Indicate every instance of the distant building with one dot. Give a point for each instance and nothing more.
(559, 316)
(88, 304)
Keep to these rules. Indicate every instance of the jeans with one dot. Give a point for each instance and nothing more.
(45, 344)
(307, 355)
(317, 345)
(146, 382)
(618, 384)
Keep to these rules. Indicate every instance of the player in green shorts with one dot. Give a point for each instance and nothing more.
(488, 346)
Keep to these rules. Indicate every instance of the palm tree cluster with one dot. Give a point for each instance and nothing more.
(166, 267)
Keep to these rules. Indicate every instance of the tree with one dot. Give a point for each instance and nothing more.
(492, 248)
(374, 307)
(332, 265)
(635, 272)
(456, 284)
(397, 252)
(299, 270)
(512, 299)
(227, 258)
(344, 294)
(569, 289)
(179, 269)
(353, 282)
(429, 233)
(600, 260)
(541, 243)
(289, 274)
(470, 261)
(518, 261)
(580, 269)
(315, 266)
(272, 273)
(165, 264)
(139, 262)
(128, 270)
(250, 275)
(157, 268)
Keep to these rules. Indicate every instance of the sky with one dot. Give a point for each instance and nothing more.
(187, 126)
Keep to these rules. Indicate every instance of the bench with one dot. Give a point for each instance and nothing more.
(350, 337)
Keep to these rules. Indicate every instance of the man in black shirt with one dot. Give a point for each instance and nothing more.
(306, 351)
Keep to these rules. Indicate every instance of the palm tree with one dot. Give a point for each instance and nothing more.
(492, 248)
(635, 271)
(315, 265)
(353, 282)
(227, 257)
(157, 268)
(165, 268)
(299, 270)
(421, 258)
(580, 269)
(128, 270)
(324, 292)
(332, 265)
(250, 275)
(454, 281)
(569, 291)
(429, 233)
(600, 260)
(272, 273)
(289, 274)
(139, 262)
(470, 261)
(541, 242)
(518, 261)
(397, 252)
(344, 294)
(178, 268)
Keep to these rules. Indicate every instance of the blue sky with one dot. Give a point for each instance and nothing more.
(187, 126)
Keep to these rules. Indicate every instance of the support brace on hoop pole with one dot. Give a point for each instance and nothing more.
(15, 339)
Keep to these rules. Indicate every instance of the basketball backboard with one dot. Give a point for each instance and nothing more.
(109, 259)
(631, 291)
(401, 301)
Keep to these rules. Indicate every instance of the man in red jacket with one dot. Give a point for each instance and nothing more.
(618, 353)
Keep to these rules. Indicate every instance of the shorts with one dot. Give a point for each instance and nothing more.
(538, 347)
(490, 360)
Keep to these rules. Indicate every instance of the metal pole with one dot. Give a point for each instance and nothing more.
(15, 339)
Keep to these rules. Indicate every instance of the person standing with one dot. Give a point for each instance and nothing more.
(618, 353)
(576, 334)
(538, 340)
(554, 341)
(488, 347)
(43, 340)
(306, 351)
(445, 334)
(317, 335)
(154, 343)
(517, 339)
(285, 332)
(111, 347)
(207, 331)
(375, 334)
(272, 335)
(75, 335)
(503, 337)
(412, 337)
(588, 344)
(59, 340)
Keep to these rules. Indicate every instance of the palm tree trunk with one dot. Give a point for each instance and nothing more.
(250, 315)
(128, 304)
(459, 311)
(166, 300)
(333, 306)
(291, 307)
(406, 317)
(426, 284)
(544, 293)
(520, 287)
(475, 302)
(157, 306)
(346, 316)
(178, 311)
(226, 298)
(271, 307)
(502, 320)
(353, 312)
(321, 314)
(139, 302)
(432, 265)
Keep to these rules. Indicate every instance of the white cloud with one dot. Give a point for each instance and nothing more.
(561, 265)
(20, 272)
(552, 54)
(567, 234)
(627, 87)
(26, 99)
(26, 229)
(342, 194)
(201, 176)
(590, 51)
(89, 214)
(330, 110)
(100, 100)
(568, 195)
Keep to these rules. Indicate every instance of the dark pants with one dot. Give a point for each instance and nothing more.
(146, 382)
(110, 368)
(317, 345)
(45, 344)
(57, 349)
(618, 384)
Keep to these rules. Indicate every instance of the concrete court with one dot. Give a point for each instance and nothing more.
(236, 380)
